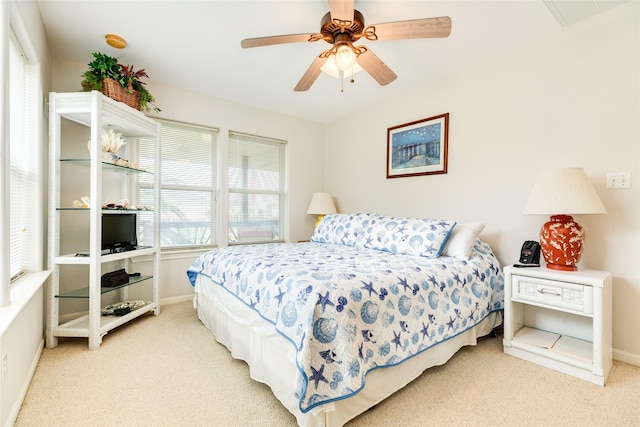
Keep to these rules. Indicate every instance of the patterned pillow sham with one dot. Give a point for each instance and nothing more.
(410, 236)
(343, 229)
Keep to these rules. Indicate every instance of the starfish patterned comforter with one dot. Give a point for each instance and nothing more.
(367, 292)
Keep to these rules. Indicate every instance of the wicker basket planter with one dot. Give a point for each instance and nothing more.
(113, 90)
(106, 75)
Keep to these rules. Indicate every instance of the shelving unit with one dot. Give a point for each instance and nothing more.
(95, 112)
(560, 320)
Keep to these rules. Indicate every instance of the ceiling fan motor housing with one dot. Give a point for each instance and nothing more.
(331, 29)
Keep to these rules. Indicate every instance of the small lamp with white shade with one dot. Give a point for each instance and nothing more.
(321, 205)
(562, 193)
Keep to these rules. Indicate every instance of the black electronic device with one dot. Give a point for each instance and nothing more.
(529, 254)
(119, 232)
(114, 278)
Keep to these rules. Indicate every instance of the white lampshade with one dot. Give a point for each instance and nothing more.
(563, 191)
(321, 204)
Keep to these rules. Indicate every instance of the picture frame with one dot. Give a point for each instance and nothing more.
(418, 148)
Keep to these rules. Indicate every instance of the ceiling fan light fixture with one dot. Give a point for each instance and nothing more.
(345, 57)
(331, 69)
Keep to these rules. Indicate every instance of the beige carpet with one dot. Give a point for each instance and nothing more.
(169, 371)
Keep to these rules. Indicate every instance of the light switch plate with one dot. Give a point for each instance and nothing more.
(619, 179)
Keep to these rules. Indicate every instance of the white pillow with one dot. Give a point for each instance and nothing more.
(463, 237)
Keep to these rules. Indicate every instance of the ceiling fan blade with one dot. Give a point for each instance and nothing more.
(412, 29)
(341, 10)
(270, 40)
(311, 74)
(375, 67)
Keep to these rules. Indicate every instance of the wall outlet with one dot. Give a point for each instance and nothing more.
(619, 179)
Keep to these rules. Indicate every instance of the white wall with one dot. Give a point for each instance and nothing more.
(572, 100)
(304, 142)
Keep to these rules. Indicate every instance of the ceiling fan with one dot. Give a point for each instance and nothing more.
(341, 27)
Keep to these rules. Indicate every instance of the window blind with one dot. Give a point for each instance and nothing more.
(188, 183)
(24, 174)
(256, 185)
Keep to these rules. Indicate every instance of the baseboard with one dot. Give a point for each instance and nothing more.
(175, 300)
(13, 415)
(626, 357)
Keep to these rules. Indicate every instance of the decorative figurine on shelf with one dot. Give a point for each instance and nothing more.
(124, 204)
(84, 202)
(112, 141)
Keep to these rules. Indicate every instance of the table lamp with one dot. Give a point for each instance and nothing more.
(321, 204)
(562, 193)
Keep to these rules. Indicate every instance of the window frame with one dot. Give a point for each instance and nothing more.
(220, 190)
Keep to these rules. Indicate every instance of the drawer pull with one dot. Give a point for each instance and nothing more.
(548, 291)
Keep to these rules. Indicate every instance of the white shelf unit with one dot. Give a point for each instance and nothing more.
(560, 320)
(96, 112)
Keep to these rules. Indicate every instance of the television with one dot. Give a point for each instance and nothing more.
(119, 232)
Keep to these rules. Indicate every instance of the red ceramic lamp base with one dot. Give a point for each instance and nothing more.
(561, 242)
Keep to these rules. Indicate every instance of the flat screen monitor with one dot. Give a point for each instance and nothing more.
(119, 231)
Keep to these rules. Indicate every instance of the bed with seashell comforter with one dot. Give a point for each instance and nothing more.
(339, 323)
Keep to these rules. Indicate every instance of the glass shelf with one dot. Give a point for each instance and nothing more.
(107, 210)
(84, 292)
(106, 165)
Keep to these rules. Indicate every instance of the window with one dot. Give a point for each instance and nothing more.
(255, 182)
(188, 186)
(256, 188)
(24, 174)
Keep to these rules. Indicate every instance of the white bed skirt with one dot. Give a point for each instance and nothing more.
(271, 358)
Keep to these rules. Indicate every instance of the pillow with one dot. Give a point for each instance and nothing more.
(342, 229)
(409, 236)
(463, 237)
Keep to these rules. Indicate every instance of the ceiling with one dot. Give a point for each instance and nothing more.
(195, 45)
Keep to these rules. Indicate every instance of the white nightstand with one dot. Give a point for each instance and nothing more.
(560, 320)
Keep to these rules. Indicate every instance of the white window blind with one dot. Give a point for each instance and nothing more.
(188, 183)
(256, 188)
(24, 174)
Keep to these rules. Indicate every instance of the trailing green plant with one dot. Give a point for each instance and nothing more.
(104, 66)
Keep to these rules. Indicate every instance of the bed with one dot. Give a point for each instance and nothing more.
(339, 323)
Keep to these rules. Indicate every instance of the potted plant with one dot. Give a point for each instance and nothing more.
(118, 81)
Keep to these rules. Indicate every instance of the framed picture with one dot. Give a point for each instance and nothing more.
(418, 148)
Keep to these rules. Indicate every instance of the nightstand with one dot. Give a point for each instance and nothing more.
(560, 320)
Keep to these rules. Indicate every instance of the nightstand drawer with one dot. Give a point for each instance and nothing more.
(567, 296)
